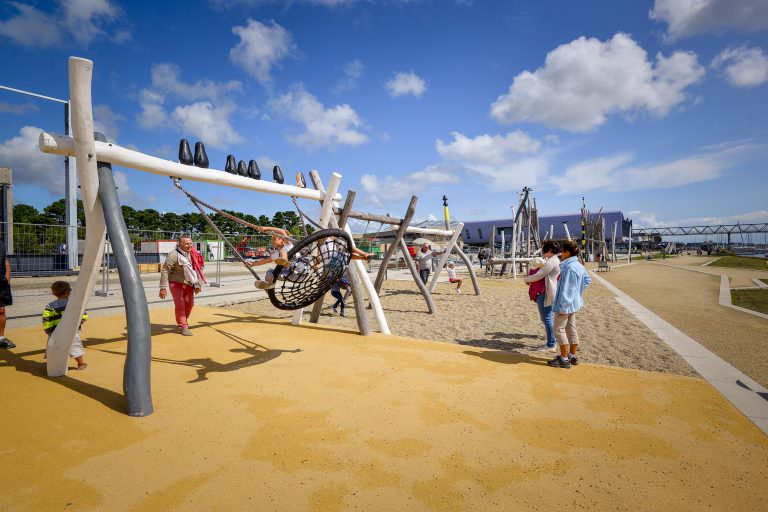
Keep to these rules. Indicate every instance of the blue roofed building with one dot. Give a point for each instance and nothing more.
(479, 232)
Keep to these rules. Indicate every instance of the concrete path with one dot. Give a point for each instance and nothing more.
(739, 277)
(744, 393)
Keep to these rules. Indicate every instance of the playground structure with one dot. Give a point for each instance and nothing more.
(525, 242)
(103, 214)
(400, 227)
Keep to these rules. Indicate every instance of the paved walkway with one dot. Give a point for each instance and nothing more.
(748, 396)
(739, 277)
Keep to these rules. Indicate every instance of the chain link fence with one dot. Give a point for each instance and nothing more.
(41, 250)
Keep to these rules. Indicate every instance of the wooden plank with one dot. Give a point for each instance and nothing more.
(410, 212)
(412, 267)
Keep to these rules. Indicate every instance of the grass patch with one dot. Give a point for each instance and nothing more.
(756, 300)
(741, 262)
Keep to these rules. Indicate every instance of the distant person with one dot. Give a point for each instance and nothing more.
(453, 276)
(424, 262)
(481, 256)
(180, 276)
(52, 315)
(338, 286)
(573, 281)
(6, 298)
(547, 276)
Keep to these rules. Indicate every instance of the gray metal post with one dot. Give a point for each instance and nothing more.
(70, 200)
(219, 254)
(136, 372)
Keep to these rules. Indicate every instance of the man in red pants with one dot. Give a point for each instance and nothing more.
(183, 280)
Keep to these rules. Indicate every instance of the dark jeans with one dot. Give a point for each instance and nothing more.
(339, 300)
(424, 273)
(548, 319)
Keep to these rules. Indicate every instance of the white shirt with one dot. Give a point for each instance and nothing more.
(451, 273)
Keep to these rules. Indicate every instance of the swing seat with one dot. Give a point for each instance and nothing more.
(317, 262)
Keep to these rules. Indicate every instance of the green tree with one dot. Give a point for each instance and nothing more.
(25, 214)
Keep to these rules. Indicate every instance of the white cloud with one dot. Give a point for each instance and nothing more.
(80, 21)
(406, 83)
(165, 79)
(383, 191)
(505, 162)
(208, 117)
(744, 67)
(615, 175)
(17, 108)
(323, 127)
(353, 70)
(261, 47)
(587, 79)
(688, 17)
(29, 164)
(105, 121)
(207, 123)
(650, 220)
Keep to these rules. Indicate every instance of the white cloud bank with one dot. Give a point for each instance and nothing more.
(80, 21)
(614, 174)
(208, 115)
(322, 126)
(587, 79)
(384, 191)
(744, 67)
(406, 83)
(506, 162)
(688, 17)
(261, 47)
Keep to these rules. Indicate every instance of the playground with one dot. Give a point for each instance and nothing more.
(259, 414)
(421, 398)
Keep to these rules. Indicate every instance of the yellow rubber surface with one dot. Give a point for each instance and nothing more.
(253, 414)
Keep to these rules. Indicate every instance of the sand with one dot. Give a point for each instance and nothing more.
(253, 414)
(689, 301)
(504, 318)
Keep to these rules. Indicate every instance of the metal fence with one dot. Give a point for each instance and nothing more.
(40, 249)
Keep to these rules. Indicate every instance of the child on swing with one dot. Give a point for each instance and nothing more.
(281, 244)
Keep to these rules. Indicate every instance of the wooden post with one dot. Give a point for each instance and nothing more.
(444, 256)
(412, 267)
(398, 236)
(470, 269)
(80, 76)
(613, 241)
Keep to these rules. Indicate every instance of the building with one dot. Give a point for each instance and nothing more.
(478, 232)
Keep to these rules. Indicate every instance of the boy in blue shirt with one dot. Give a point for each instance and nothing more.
(573, 280)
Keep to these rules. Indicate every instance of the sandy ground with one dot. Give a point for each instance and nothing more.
(253, 414)
(689, 301)
(504, 318)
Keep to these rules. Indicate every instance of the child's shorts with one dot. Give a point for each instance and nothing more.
(453, 280)
(6, 299)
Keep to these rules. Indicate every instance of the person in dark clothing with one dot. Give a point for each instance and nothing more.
(6, 298)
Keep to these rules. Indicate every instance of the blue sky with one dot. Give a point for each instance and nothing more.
(656, 108)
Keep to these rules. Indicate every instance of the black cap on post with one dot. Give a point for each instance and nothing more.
(231, 166)
(445, 200)
(253, 170)
(201, 157)
(242, 170)
(185, 154)
(277, 174)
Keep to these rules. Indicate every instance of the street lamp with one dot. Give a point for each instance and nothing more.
(70, 184)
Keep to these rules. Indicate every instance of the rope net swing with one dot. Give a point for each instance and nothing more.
(316, 262)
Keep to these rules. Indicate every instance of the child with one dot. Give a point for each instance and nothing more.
(452, 277)
(573, 280)
(281, 244)
(52, 316)
(539, 287)
(341, 284)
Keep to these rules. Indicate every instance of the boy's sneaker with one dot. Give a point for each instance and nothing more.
(458, 290)
(334, 311)
(559, 362)
(573, 359)
(342, 314)
(282, 262)
(6, 343)
(263, 285)
(185, 332)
